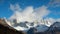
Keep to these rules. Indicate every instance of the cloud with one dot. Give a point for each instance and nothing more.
(54, 3)
(58, 20)
(49, 21)
(41, 12)
(15, 7)
(28, 14)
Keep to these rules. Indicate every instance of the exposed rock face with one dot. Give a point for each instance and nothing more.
(53, 29)
(41, 28)
(32, 31)
(56, 25)
(2, 21)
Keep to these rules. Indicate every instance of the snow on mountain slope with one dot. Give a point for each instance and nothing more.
(41, 28)
(24, 26)
(20, 26)
(27, 25)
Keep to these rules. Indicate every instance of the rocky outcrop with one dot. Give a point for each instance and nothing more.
(32, 31)
(53, 29)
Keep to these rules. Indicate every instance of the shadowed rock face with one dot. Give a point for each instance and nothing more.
(32, 31)
(53, 29)
(6, 29)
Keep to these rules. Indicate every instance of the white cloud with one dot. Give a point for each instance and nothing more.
(49, 21)
(15, 7)
(54, 3)
(28, 14)
(58, 20)
(41, 12)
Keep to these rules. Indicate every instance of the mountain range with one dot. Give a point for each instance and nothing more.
(32, 27)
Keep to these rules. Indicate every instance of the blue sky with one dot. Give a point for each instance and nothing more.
(53, 6)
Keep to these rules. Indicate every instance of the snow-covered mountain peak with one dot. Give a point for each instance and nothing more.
(25, 25)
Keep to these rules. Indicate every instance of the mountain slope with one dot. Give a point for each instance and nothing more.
(6, 29)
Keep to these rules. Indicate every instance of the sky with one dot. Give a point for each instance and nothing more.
(36, 8)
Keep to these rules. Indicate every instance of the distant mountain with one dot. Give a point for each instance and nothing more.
(41, 28)
(24, 26)
(53, 29)
(32, 31)
(55, 26)
(32, 27)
